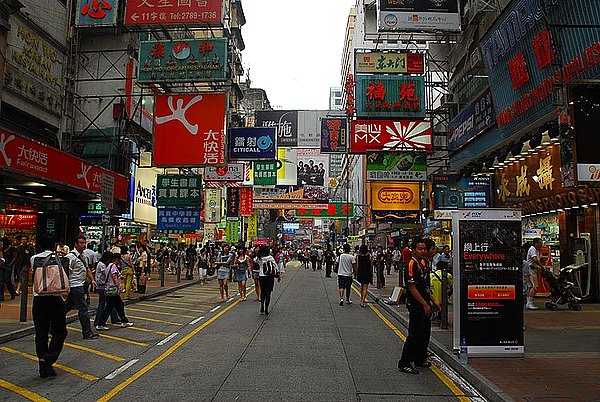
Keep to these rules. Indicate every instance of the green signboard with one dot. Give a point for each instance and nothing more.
(189, 60)
(396, 166)
(265, 173)
(94, 208)
(337, 210)
(178, 191)
(232, 231)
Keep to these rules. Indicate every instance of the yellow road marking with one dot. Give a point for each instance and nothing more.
(172, 308)
(154, 320)
(114, 338)
(109, 395)
(25, 393)
(95, 352)
(183, 304)
(134, 328)
(443, 377)
(141, 310)
(57, 365)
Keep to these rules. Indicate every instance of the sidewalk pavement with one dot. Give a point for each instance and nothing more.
(562, 351)
(12, 328)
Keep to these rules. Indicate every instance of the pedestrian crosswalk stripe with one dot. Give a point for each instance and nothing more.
(153, 320)
(197, 320)
(114, 338)
(184, 304)
(167, 339)
(134, 328)
(171, 308)
(121, 369)
(25, 393)
(66, 369)
(141, 310)
(95, 352)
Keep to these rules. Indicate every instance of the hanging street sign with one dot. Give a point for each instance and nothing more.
(178, 191)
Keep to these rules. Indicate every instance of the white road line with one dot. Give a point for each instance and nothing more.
(463, 384)
(121, 369)
(215, 309)
(167, 339)
(196, 320)
(229, 301)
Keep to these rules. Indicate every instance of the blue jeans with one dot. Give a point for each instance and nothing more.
(77, 300)
(101, 306)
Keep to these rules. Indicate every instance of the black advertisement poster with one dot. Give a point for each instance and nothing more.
(286, 122)
(491, 285)
(233, 202)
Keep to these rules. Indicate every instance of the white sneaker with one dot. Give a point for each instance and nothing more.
(531, 306)
(126, 324)
(102, 328)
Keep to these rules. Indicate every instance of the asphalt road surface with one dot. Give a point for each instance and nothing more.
(186, 345)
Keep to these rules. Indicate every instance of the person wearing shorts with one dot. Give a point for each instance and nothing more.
(202, 266)
(345, 270)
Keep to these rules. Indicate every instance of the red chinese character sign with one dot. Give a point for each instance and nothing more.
(95, 13)
(246, 198)
(390, 135)
(336, 210)
(189, 130)
(189, 12)
(350, 106)
(390, 96)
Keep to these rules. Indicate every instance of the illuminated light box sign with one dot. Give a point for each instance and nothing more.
(385, 96)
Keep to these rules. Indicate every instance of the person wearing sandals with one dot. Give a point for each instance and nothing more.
(256, 273)
(419, 304)
(364, 272)
(113, 300)
(202, 266)
(241, 264)
(223, 266)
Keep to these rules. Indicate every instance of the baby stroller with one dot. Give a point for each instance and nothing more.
(561, 292)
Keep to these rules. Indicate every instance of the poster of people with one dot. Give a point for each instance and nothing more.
(489, 282)
(312, 167)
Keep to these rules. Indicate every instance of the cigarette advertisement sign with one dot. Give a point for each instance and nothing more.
(488, 282)
(191, 60)
(396, 166)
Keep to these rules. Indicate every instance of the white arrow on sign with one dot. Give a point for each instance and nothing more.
(134, 16)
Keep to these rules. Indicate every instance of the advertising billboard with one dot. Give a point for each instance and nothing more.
(187, 219)
(189, 130)
(390, 135)
(192, 13)
(230, 172)
(385, 96)
(396, 166)
(233, 202)
(286, 123)
(389, 62)
(457, 192)
(144, 191)
(312, 168)
(93, 13)
(396, 196)
(488, 282)
(212, 205)
(475, 119)
(334, 135)
(246, 198)
(189, 60)
(336, 210)
(178, 191)
(418, 15)
(252, 143)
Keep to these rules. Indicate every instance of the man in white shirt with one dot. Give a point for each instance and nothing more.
(533, 259)
(345, 270)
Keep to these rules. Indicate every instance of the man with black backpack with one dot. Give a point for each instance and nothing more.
(48, 312)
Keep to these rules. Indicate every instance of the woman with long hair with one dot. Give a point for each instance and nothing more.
(242, 265)
(223, 266)
(127, 271)
(364, 272)
(267, 275)
(113, 296)
(203, 262)
(256, 272)
(6, 269)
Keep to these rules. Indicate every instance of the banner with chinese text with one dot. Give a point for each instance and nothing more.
(397, 196)
(334, 135)
(178, 219)
(418, 15)
(190, 60)
(385, 96)
(232, 231)
(192, 13)
(252, 227)
(396, 166)
(286, 123)
(331, 211)
(389, 62)
(246, 196)
(189, 130)
(488, 282)
(252, 143)
(265, 173)
(233, 202)
(178, 191)
(93, 13)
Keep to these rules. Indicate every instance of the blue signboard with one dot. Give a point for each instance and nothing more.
(92, 13)
(530, 57)
(252, 144)
(178, 219)
(384, 96)
(475, 119)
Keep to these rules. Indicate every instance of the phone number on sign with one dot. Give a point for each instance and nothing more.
(189, 15)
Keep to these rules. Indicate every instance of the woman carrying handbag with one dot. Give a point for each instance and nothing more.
(112, 291)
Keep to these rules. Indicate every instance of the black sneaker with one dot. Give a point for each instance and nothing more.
(92, 336)
(426, 363)
(408, 368)
(341, 302)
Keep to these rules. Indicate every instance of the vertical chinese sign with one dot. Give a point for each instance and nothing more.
(232, 231)
(189, 130)
(212, 205)
(246, 198)
(488, 282)
(233, 202)
(265, 173)
(334, 135)
(252, 227)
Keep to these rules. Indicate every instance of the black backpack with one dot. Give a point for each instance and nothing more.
(269, 268)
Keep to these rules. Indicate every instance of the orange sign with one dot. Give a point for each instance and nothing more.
(396, 196)
(491, 292)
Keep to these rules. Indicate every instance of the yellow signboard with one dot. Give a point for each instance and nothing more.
(252, 227)
(396, 196)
